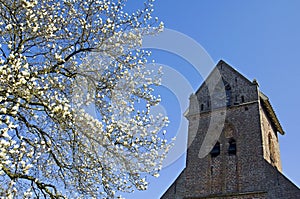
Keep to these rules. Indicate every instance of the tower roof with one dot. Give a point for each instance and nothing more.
(265, 102)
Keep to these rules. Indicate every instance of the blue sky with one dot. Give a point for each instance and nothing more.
(261, 39)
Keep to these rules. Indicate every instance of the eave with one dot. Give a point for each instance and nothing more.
(271, 113)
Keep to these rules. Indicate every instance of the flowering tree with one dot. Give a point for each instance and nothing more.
(75, 99)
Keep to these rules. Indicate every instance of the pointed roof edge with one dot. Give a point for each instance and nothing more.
(221, 62)
(271, 113)
(265, 100)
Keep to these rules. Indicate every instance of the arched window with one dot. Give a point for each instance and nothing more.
(216, 150)
(228, 93)
(271, 148)
(232, 147)
(202, 107)
(236, 100)
(243, 99)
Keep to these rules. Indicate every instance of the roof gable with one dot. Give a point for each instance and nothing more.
(224, 76)
(217, 73)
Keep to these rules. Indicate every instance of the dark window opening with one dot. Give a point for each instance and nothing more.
(236, 100)
(202, 107)
(243, 99)
(228, 93)
(208, 104)
(232, 147)
(246, 108)
(216, 150)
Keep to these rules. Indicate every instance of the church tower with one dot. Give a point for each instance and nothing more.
(233, 149)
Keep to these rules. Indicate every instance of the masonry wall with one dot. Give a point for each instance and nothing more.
(221, 115)
(249, 195)
(212, 93)
(227, 173)
(277, 185)
(270, 140)
(178, 189)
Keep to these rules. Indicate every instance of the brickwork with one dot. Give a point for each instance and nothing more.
(246, 161)
(248, 195)
(270, 140)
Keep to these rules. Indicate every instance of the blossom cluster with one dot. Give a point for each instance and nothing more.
(75, 99)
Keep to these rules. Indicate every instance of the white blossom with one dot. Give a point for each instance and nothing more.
(75, 99)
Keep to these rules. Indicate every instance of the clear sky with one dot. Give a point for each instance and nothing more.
(261, 39)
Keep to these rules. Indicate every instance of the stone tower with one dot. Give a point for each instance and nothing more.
(233, 149)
